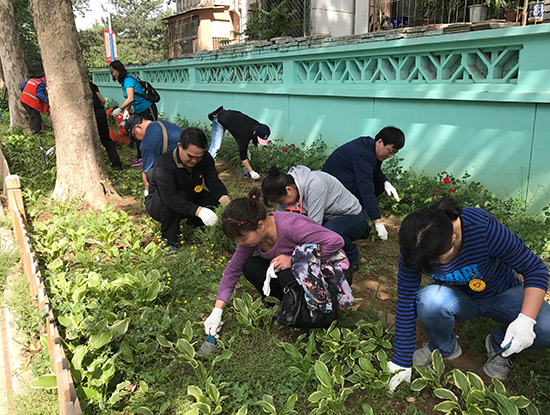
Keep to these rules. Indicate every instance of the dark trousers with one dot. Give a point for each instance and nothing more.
(103, 129)
(170, 219)
(350, 228)
(254, 270)
(150, 113)
(35, 118)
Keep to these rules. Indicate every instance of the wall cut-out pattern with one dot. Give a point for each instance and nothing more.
(167, 76)
(266, 73)
(484, 65)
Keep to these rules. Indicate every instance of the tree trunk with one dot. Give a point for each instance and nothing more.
(13, 63)
(80, 164)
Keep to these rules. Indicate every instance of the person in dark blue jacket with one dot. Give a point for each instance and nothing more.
(474, 261)
(357, 165)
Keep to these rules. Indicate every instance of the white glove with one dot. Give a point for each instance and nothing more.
(116, 112)
(213, 321)
(146, 193)
(270, 274)
(390, 190)
(381, 230)
(404, 375)
(520, 332)
(208, 216)
(254, 175)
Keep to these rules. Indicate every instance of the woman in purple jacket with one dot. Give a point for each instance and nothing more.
(272, 237)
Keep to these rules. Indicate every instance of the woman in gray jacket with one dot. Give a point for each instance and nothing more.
(321, 197)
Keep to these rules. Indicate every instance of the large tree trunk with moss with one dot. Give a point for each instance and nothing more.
(80, 164)
(13, 63)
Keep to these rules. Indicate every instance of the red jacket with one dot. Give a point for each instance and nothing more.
(29, 97)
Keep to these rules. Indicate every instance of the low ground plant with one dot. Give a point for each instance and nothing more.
(131, 317)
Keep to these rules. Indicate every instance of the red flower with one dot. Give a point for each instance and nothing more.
(269, 142)
(446, 180)
(451, 191)
(284, 149)
(292, 145)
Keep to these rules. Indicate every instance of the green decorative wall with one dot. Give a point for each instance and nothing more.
(476, 102)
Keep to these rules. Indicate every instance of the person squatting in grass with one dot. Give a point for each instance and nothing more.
(243, 129)
(177, 187)
(321, 197)
(264, 240)
(473, 259)
(150, 135)
(357, 165)
(133, 92)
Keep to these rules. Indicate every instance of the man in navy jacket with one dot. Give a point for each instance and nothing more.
(357, 165)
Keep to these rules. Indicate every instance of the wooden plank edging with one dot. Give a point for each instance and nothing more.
(68, 401)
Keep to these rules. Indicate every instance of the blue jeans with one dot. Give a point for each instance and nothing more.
(350, 228)
(439, 306)
(217, 136)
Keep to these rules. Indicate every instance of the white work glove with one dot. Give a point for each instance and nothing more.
(254, 175)
(520, 332)
(208, 216)
(146, 193)
(116, 112)
(404, 375)
(213, 321)
(270, 274)
(390, 190)
(381, 230)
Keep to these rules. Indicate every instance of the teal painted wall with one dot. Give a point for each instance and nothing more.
(476, 102)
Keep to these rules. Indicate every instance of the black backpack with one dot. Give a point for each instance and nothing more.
(151, 93)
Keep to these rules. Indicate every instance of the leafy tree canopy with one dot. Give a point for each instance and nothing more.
(140, 33)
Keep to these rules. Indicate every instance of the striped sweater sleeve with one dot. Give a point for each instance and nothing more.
(408, 285)
(509, 248)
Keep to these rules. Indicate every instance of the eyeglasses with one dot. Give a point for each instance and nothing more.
(236, 222)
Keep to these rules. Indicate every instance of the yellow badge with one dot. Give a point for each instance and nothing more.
(477, 285)
(198, 188)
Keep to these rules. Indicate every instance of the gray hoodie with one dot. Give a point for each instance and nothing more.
(322, 196)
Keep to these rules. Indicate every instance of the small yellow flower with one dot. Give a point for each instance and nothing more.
(198, 298)
(184, 301)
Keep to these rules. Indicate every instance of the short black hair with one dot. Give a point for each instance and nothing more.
(242, 215)
(391, 135)
(274, 185)
(426, 234)
(194, 136)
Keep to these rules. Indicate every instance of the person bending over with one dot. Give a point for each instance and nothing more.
(321, 197)
(263, 240)
(357, 165)
(474, 260)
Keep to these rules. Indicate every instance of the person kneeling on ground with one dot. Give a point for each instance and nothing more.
(357, 165)
(321, 197)
(177, 187)
(473, 259)
(273, 238)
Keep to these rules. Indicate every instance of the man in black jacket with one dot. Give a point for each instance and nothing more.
(177, 187)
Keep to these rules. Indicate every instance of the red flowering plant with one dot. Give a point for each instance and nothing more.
(446, 187)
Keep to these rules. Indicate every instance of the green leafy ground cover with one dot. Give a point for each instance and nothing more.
(131, 317)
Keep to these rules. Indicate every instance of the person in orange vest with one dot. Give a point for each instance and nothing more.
(34, 97)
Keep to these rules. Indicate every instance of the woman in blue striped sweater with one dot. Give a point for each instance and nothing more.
(473, 259)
